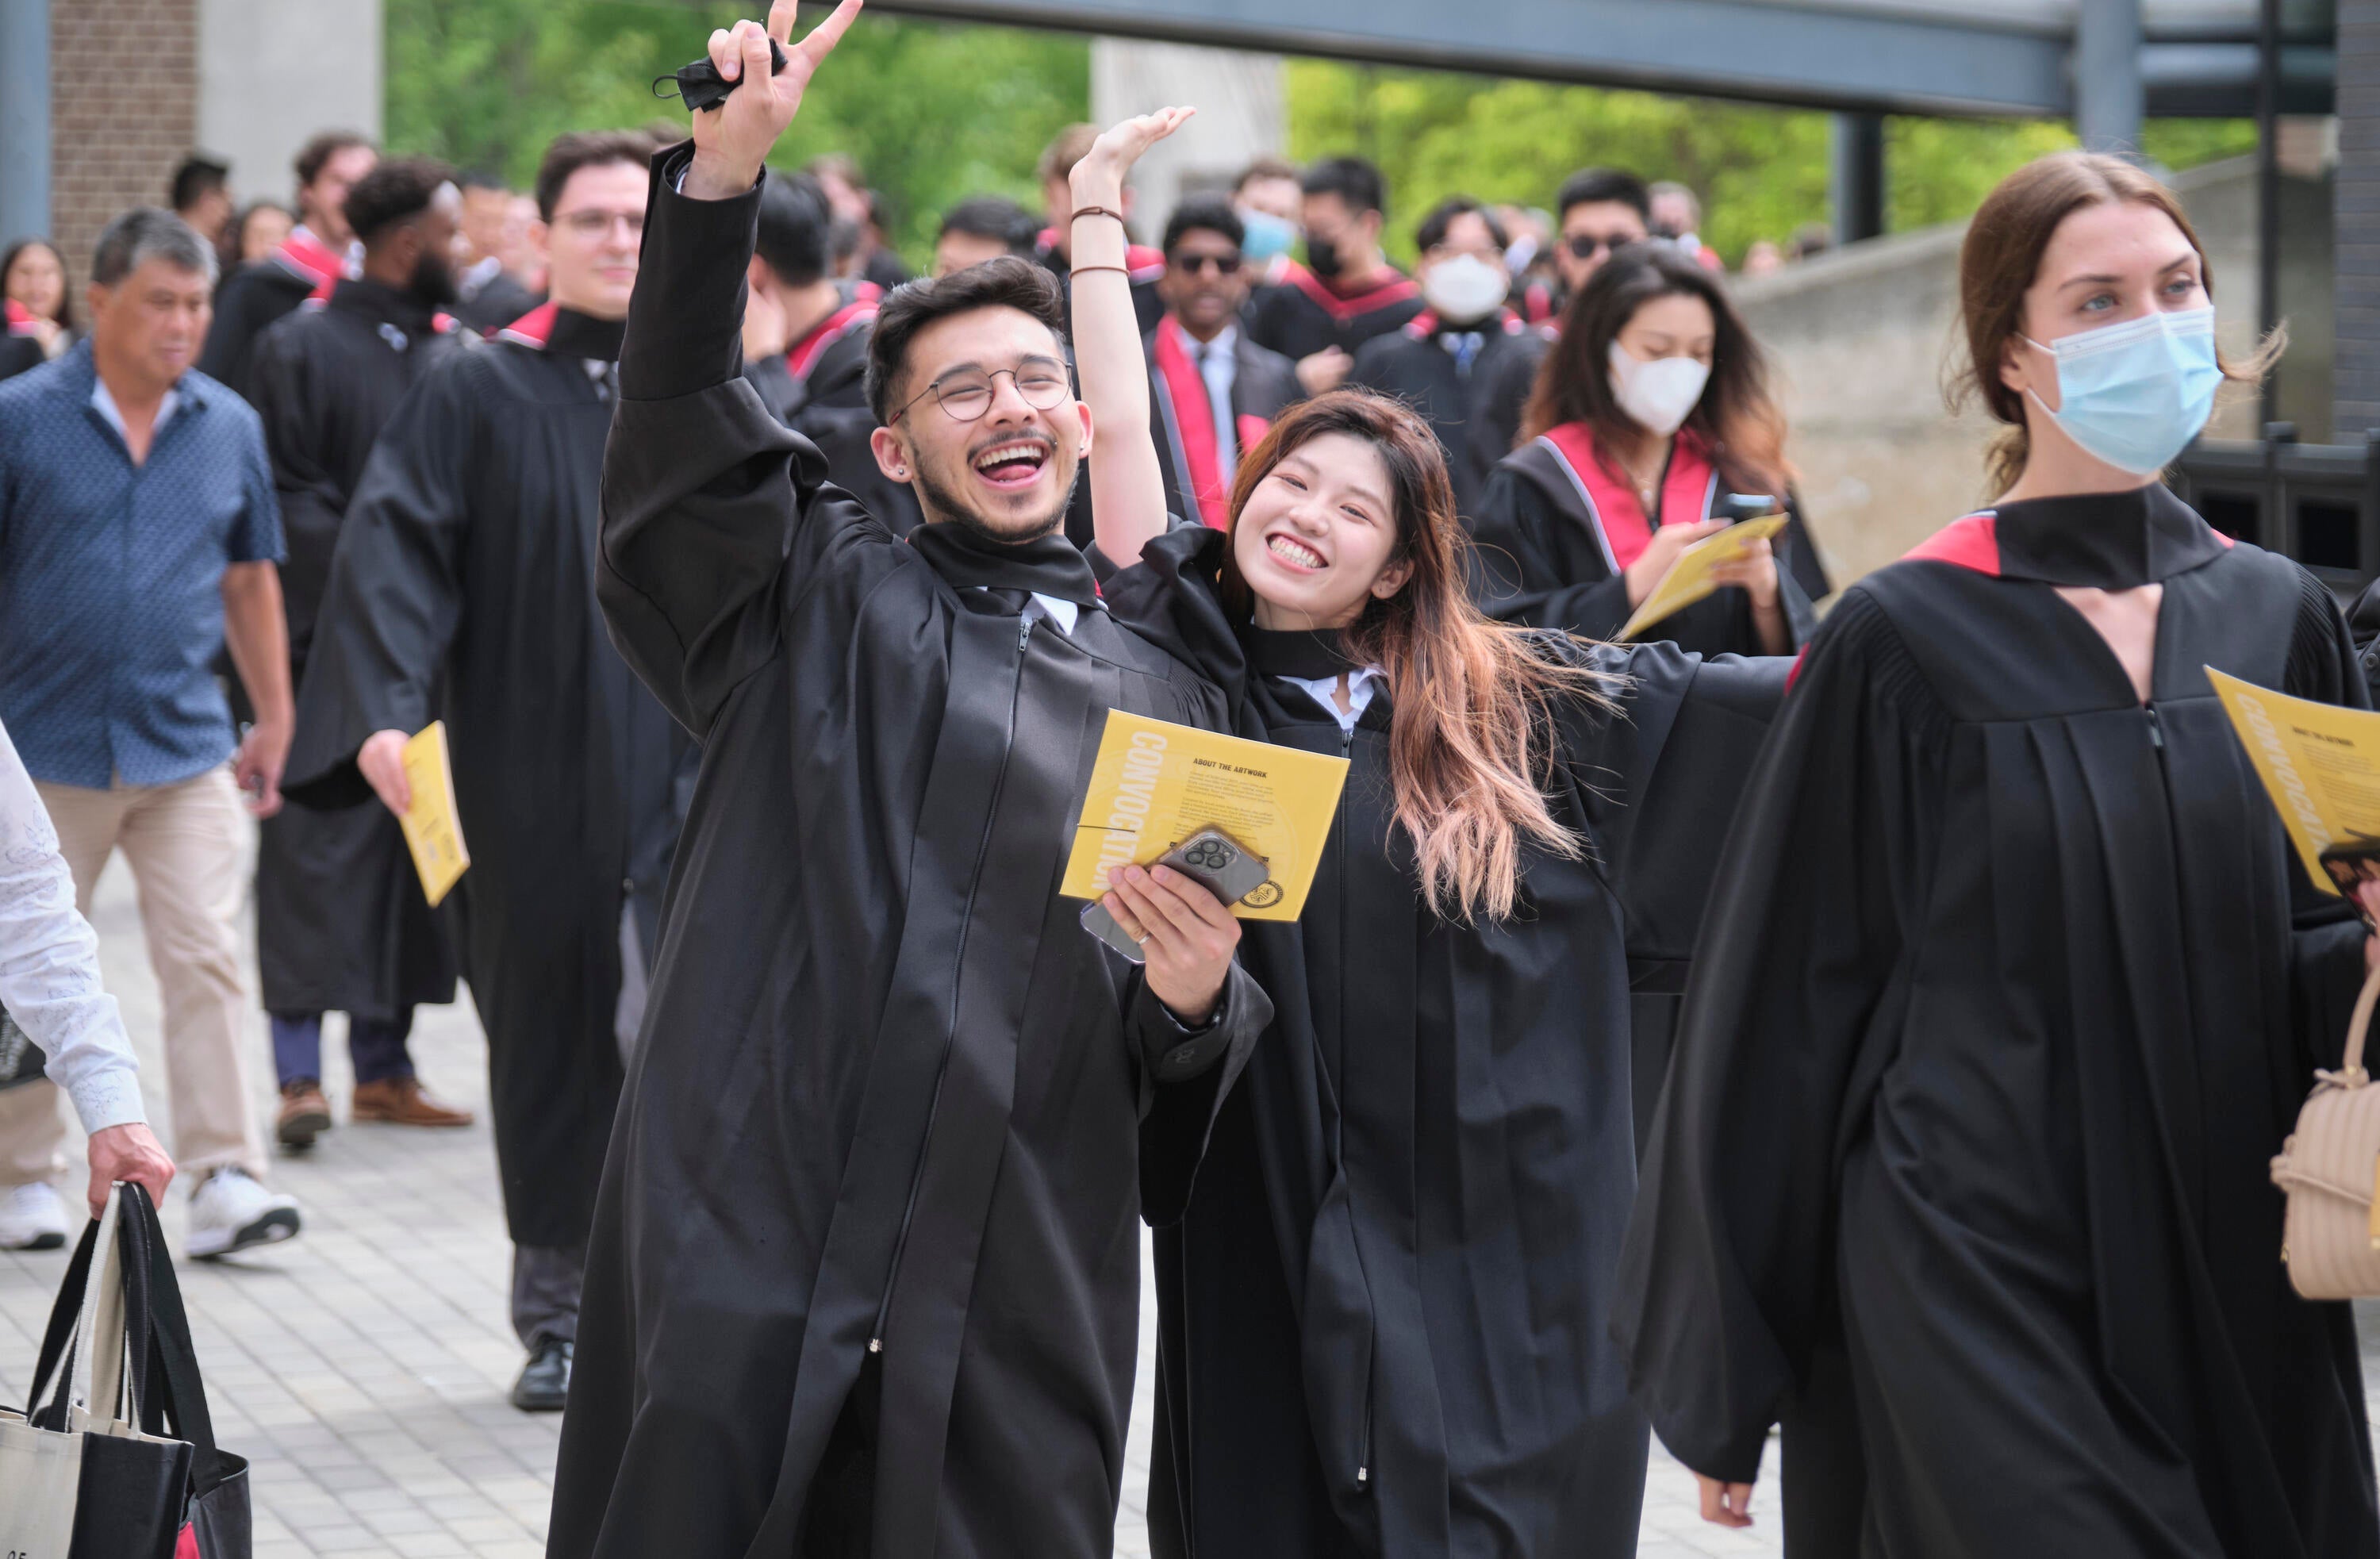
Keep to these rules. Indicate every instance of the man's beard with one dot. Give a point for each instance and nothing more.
(940, 504)
(434, 281)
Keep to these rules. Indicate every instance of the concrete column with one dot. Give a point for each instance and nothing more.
(274, 72)
(1856, 176)
(2107, 92)
(2355, 372)
(1240, 114)
(24, 118)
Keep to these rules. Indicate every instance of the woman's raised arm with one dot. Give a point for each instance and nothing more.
(1127, 484)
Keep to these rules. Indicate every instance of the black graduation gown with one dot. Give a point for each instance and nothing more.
(341, 923)
(1383, 1321)
(1301, 315)
(255, 296)
(1510, 379)
(466, 564)
(889, 1091)
(1541, 559)
(2009, 990)
(499, 301)
(818, 388)
(1414, 365)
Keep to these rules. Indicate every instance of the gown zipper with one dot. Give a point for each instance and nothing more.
(917, 1172)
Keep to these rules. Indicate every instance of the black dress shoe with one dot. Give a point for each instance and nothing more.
(544, 1383)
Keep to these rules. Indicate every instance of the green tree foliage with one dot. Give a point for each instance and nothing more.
(933, 113)
(1761, 172)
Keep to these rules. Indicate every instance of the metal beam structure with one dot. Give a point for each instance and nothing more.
(1855, 176)
(24, 118)
(1874, 56)
(2108, 98)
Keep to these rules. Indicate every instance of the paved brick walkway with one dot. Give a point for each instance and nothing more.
(363, 1368)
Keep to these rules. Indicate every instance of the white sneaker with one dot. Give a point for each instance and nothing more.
(230, 1211)
(33, 1218)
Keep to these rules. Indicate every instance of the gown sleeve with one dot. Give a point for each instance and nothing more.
(1725, 1280)
(713, 513)
(395, 594)
(2327, 934)
(281, 390)
(1515, 576)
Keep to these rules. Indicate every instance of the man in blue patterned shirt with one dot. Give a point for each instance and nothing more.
(138, 530)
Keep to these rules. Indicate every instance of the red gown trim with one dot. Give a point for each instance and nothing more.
(1972, 542)
(532, 329)
(803, 355)
(1686, 489)
(1397, 289)
(1194, 418)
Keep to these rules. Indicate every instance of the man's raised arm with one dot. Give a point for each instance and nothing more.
(704, 488)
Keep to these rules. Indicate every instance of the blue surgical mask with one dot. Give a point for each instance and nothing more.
(2134, 393)
(1267, 234)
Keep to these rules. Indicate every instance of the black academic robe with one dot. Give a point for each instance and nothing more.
(1546, 555)
(499, 301)
(465, 588)
(1264, 384)
(819, 386)
(1383, 1321)
(1510, 381)
(1420, 366)
(866, 1270)
(1302, 314)
(1143, 265)
(2009, 990)
(255, 296)
(341, 923)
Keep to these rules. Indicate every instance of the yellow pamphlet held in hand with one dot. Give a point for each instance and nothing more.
(432, 831)
(1156, 784)
(1689, 578)
(2321, 765)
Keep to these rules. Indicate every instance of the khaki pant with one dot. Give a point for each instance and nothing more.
(182, 842)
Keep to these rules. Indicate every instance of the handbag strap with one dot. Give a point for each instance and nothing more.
(2352, 1065)
(103, 1291)
(176, 1395)
(65, 1311)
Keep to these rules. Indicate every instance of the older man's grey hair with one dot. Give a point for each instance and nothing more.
(147, 233)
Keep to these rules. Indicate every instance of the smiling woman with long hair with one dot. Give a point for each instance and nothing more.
(1384, 1315)
(2011, 991)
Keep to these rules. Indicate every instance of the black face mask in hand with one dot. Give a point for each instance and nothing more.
(1322, 257)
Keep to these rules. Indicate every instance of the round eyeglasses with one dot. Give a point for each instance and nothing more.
(966, 394)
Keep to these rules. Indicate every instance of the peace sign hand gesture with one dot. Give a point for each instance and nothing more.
(731, 140)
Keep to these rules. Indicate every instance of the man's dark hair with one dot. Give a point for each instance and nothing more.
(398, 190)
(198, 177)
(321, 150)
(1353, 179)
(1071, 146)
(1005, 282)
(573, 150)
(146, 233)
(481, 178)
(1265, 166)
(1595, 186)
(796, 234)
(1204, 214)
(995, 217)
(1433, 229)
(842, 239)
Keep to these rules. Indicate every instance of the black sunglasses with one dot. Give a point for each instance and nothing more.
(1224, 264)
(1585, 246)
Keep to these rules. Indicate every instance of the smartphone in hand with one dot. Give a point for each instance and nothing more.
(1211, 857)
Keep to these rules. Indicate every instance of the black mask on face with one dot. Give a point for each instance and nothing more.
(1322, 256)
(433, 280)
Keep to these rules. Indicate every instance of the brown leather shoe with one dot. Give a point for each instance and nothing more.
(400, 1101)
(304, 1114)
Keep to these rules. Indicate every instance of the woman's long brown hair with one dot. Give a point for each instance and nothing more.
(1471, 744)
(1737, 416)
(2001, 257)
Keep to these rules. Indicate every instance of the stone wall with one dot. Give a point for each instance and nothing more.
(1862, 340)
(123, 110)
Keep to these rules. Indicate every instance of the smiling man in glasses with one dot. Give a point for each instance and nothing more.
(865, 1273)
(1214, 391)
(465, 564)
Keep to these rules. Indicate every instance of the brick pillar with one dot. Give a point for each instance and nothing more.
(124, 109)
(2355, 375)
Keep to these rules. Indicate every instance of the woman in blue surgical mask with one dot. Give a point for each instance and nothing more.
(2010, 990)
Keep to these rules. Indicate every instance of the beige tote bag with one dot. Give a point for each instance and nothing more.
(2328, 1167)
